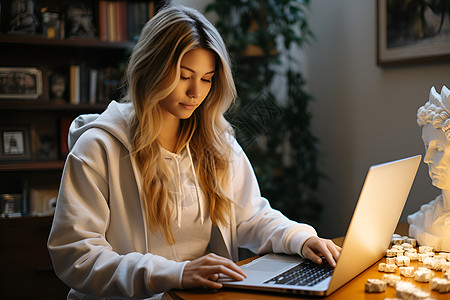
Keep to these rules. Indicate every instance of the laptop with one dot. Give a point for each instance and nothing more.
(374, 220)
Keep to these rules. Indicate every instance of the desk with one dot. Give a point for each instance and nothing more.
(353, 290)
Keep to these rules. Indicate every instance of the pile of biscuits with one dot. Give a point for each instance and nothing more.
(399, 256)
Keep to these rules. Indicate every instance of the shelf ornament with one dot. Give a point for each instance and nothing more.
(23, 20)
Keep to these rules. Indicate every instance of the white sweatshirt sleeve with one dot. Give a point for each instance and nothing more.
(259, 227)
(81, 254)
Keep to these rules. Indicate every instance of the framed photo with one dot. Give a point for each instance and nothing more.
(15, 143)
(412, 31)
(45, 145)
(20, 83)
(10, 205)
(59, 85)
(43, 201)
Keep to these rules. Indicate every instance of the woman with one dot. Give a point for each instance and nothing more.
(156, 193)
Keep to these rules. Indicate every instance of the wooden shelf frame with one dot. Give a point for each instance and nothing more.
(70, 42)
(42, 105)
(32, 166)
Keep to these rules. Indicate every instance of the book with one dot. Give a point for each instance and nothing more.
(103, 20)
(75, 84)
(85, 83)
(151, 9)
(111, 20)
(122, 21)
(93, 86)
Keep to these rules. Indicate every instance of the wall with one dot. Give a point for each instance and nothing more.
(197, 4)
(363, 114)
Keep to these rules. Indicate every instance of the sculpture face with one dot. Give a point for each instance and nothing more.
(437, 156)
(430, 225)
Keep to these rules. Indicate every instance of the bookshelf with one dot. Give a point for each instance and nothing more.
(34, 121)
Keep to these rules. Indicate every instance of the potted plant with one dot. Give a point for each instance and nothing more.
(271, 119)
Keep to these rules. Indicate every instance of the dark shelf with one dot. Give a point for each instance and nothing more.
(71, 42)
(32, 166)
(45, 123)
(26, 221)
(37, 105)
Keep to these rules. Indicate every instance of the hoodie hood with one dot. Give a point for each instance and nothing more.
(115, 120)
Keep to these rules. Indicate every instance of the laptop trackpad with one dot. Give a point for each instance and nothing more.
(264, 268)
(267, 266)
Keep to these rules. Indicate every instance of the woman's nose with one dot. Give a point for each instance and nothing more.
(194, 90)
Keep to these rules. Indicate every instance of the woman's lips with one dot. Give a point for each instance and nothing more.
(188, 106)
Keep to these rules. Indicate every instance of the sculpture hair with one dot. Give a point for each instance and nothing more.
(436, 111)
(152, 74)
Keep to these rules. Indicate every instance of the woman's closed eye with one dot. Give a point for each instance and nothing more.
(207, 80)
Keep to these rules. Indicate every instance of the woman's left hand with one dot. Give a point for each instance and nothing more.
(315, 248)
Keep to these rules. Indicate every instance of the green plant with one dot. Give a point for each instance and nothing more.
(273, 123)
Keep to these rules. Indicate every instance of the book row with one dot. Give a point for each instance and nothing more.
(107, 20)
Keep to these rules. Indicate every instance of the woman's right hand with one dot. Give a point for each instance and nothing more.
(206, 270)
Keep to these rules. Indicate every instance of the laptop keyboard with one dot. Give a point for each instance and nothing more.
(305, 274)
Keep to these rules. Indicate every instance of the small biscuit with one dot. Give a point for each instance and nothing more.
(422, 275)
(440, 285)
(443, 255)
(406, 290)
(387, 268)
(407, 246)
(425, 249)
(411, 241)
(391, 279)
(413, 256)
(397, 241)
(422, 256)
(446, 267)
(402, 261)
(407, 271)
(397, 247)
(390, 260)
(375, 286)
(433, 263)
(391, 253)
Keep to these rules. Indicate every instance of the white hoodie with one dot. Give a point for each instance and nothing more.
(100, 242)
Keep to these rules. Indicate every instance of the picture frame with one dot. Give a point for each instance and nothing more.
(10, 205)
(15, 143)
(20, 83)
(45, 145)
(43, 200)
(412, 32)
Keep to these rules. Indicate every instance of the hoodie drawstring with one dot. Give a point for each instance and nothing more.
(179, 193)
(197, 186)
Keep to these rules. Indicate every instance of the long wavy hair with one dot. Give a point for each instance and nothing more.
(153, 72)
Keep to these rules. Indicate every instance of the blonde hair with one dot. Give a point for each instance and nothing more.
(153, 72)
(436, 111)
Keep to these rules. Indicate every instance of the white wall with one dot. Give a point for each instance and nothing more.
(363, 114)
(197, 4)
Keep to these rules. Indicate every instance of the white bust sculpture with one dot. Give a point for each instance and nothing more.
(431, 224)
